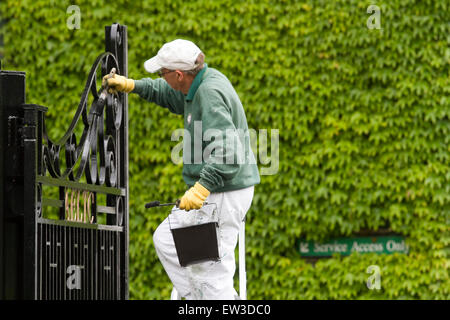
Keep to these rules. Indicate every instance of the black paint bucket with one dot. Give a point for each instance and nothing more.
(196, 243)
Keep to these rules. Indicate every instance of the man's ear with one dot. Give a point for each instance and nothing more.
(180, 75)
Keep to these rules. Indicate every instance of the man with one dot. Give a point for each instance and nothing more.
(224, 172)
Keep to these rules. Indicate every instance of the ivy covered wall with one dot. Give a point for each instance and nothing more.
(362, 112)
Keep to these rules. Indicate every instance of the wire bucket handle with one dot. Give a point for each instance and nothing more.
(197, 212)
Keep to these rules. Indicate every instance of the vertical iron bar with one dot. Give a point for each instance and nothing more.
(90, 263)
(77, 259)
(111, 264)
(105, 281)
(65, 264)
(29, 171)
(70, 258)
(47, 263)
(79, 263)
(118, 264)
(105, 262)
(87, 283)
(62, 197)
(104, 277)
(107, 273)
(59, 275)
(100, 269)
(51, 268)
(117, 249)
(83, 262)
(39, 262)
(58, 262)
(50, 258)
(94, 261)
(3, 139)
(84, 286)
(99, 266)
(111, 272)
(43, 261)
(108, 248)
(54, 261)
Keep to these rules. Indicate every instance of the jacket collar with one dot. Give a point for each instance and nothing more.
(196, 83)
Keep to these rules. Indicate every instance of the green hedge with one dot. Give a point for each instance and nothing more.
(363, 118)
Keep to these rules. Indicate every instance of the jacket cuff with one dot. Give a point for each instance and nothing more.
(205, 183)
(138, 86)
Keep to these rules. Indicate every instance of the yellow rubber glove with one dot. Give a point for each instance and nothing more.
(194, 197)
(119, 83)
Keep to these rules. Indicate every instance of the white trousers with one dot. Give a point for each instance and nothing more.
(211, 280)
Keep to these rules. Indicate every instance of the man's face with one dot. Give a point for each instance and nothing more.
(173, 78)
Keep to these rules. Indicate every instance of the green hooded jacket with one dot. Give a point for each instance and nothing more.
(216, 141)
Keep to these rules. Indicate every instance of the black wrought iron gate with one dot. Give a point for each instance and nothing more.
(64, 204)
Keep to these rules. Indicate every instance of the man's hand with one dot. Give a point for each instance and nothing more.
(194, 197)
(119, 83)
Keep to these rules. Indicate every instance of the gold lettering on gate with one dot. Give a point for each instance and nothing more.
(72, 205)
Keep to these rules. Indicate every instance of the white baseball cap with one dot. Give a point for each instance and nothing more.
(178, 54)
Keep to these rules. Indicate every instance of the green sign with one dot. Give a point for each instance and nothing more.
(345, 246)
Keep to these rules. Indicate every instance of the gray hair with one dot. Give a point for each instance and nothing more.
(199, 65)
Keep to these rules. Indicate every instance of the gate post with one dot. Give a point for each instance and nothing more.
(12, 96)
